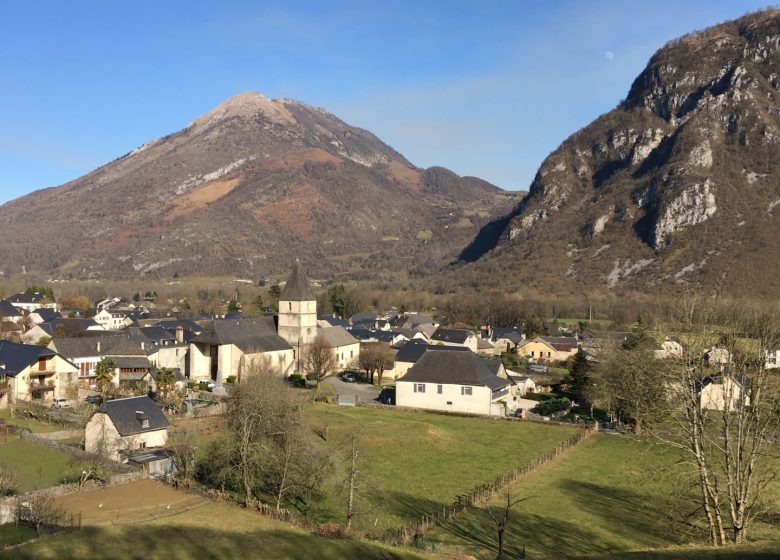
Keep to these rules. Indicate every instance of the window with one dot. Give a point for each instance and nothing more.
(440, 389)
(419, 387)
(289, 306)
(449, 402)
(142, 445)
(41, 364)
(532, 353)
(465, 391)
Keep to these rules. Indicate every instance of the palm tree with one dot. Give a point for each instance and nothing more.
(104, 374)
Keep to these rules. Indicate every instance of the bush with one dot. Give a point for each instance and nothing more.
(333, 530)
(231, 379)
(538, 396)
(297, 380)
(552, 406)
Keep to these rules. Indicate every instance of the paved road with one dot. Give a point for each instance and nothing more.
(362, 391)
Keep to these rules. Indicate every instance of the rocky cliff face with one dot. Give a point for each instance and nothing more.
(677, 185)
(243, 190)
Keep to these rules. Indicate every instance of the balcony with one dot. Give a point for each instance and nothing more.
(38, 389)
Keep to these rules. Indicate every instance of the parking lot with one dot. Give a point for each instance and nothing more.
(354, 392)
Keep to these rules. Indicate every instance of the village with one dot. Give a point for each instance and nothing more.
(122, 388)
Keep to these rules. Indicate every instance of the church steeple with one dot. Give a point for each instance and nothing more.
(298, 312)
(297, 287)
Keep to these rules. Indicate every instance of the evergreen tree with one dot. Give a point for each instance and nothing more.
(579, 378)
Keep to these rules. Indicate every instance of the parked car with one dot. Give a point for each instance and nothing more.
(207, 384)
(93, 399)
(59, 402)
(349, 377)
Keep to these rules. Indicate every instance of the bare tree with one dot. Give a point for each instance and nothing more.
(319, 360)
(731, 433)
(356, 477)
(182, 443)
(40, 510)
(501, 518)
(374, 359)
(272, 449)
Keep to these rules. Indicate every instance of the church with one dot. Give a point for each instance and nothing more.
(227, 348)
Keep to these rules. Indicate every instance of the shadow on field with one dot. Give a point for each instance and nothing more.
(632, 516)
(185, 542)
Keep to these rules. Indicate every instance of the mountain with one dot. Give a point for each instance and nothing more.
(676, 188)
(242, 191)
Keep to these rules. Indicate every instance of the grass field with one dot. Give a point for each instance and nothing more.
(417, 462)
(11, 533)
(35, 426)
(134, 502)
(40, 467)
(212, 531)
(609, 495)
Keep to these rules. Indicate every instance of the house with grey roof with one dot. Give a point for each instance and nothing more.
(345, 346)
(122, 427)
(129, 354)
(33, 373)
(455, 337)
(454, 381)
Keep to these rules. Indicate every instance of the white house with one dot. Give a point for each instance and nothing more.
(345, 347)
(669, 348)
(720, 392)
(112, 320)
(455, 337)
(772, 359)
(122, 426)
(31, 302)
(453, 381)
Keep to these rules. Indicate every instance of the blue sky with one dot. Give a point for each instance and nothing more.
(486, 88)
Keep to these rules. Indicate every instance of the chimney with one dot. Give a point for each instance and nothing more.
(180, 334)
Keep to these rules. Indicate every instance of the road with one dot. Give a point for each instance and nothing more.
(362, 391)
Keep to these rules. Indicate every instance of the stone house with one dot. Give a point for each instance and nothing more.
(345, 347)
(123, 426)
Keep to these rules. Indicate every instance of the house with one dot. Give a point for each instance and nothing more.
(537, 350)
(113, 320)
(10, 313)
(129, 356)
(30, 302)
(717, 356)
(772, 359)
(525, 383)
(454, 381)
(43, 315)
(485, 348)
(506, 339)
(228, 347)
(345, 347)
(124, 426)
(331, 320)
(668, 349)
(33, 373)
(455, 337)
(565, 346)
(411, 352)
(720, 392)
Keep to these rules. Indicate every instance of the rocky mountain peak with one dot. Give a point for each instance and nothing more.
(246, 105)
(674, 182)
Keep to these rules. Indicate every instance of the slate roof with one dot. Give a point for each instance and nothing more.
(24, 297)
(8, 310)
(47, 313)
(171, 324)
(333, 321)
(561, 343)
(455, 368)
(71, 326)
(456, 336)
(337, 336)
(297, 287)
(85, 346)
(15, 357)
(256, 334)
(155, 334)
(124, 362)
(124, 413)
(484, 344)
(413, 350)
(510, 333)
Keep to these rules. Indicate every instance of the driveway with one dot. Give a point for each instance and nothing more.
(350, 392)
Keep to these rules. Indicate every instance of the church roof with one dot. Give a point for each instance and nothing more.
(297, 287)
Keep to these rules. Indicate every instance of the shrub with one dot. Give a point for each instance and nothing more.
(297, 380)
(231, 379)
(333, 530)
(538, 396)
(552, 406)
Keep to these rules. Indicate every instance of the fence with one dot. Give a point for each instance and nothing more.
(482, 493)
